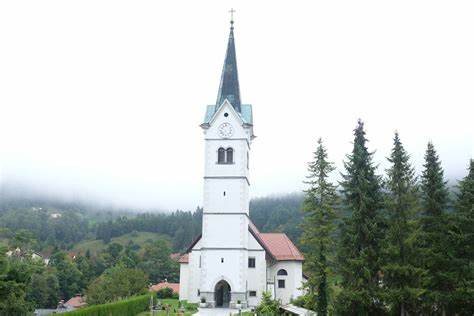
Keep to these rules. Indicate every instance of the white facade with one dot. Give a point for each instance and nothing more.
(227, 243)
(231, 262)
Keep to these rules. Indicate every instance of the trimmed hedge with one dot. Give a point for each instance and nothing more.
(132, 306)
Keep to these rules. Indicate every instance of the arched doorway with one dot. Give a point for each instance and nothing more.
(222, 294)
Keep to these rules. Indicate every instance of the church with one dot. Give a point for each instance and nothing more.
(232, 263)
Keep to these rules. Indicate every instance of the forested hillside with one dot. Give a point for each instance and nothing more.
(64, 225)
(88, 247)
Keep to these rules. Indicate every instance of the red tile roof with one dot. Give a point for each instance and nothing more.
(281, 247)
(175, 256)
(184, 258)
(162, 285)
(76, 302)
(277, 245)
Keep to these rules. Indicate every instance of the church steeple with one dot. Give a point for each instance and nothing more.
(229, 85)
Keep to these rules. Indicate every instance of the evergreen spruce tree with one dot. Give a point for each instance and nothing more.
(319, 205)
(401, 276)
(434, 243)
(462, 243)
(361, 233)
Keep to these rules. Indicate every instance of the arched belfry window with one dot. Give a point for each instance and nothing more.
(229, 155)
(221, 155)
(282, 272)
(225, 156)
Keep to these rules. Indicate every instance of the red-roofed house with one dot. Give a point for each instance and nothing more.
(175, 256)
(232, 261)
(162, 285)
(76, 302)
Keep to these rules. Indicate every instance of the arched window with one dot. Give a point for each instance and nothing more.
(229, 155)
(282, 272)
(221, 155)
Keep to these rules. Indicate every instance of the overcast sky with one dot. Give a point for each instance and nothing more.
(103, 99)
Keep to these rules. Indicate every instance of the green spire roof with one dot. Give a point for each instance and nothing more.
(229, 86)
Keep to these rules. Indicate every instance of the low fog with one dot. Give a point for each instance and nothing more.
(102, 101)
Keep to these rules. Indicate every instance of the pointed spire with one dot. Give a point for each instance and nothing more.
(229, 86)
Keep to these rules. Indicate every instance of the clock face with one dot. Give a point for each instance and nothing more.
(225, 130)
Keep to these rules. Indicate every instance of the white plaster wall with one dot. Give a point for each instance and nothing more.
(293, 281)
(231, 270)
(256, 276)
(183, 281)
(239, 165)
(235, 200)
(194, 275)
(224, 231)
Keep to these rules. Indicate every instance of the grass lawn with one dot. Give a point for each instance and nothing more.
(3, 242)
(174, 304)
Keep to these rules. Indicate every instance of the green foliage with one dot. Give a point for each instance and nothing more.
(12, 287)
(166, 293)
(138, 240)
(361, 233)
(401, 274)
(12, 299)
(69, 277)
(43, 289)
(268, 306)
(116, 283)
(131, 306)
(461, 239)
(34, 226)
(278, 214)
(319, 227)
(181, 226)
(157, 262)
(435, 247)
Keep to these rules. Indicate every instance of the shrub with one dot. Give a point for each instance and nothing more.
(268, 306)
(116, 283)
(165, 292)
(132, 306)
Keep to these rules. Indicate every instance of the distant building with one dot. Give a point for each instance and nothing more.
(72, 255)
(76, 302)
(232, 261)
(162, 285)
(175, 256)
(34, 255)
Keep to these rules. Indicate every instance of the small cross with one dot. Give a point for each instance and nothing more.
(232, 15)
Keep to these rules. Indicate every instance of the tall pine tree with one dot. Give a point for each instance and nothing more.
(401, 276)
(462, 243)
(361, 233)
(434, 252)
(318, 235)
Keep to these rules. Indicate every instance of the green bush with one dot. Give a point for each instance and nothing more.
(165, 292)
(268, 306)
(132, 306)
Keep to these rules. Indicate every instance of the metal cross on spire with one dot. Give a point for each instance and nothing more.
(232, 11)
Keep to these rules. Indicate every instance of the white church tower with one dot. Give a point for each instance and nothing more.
(228, 135)
(232, 262)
